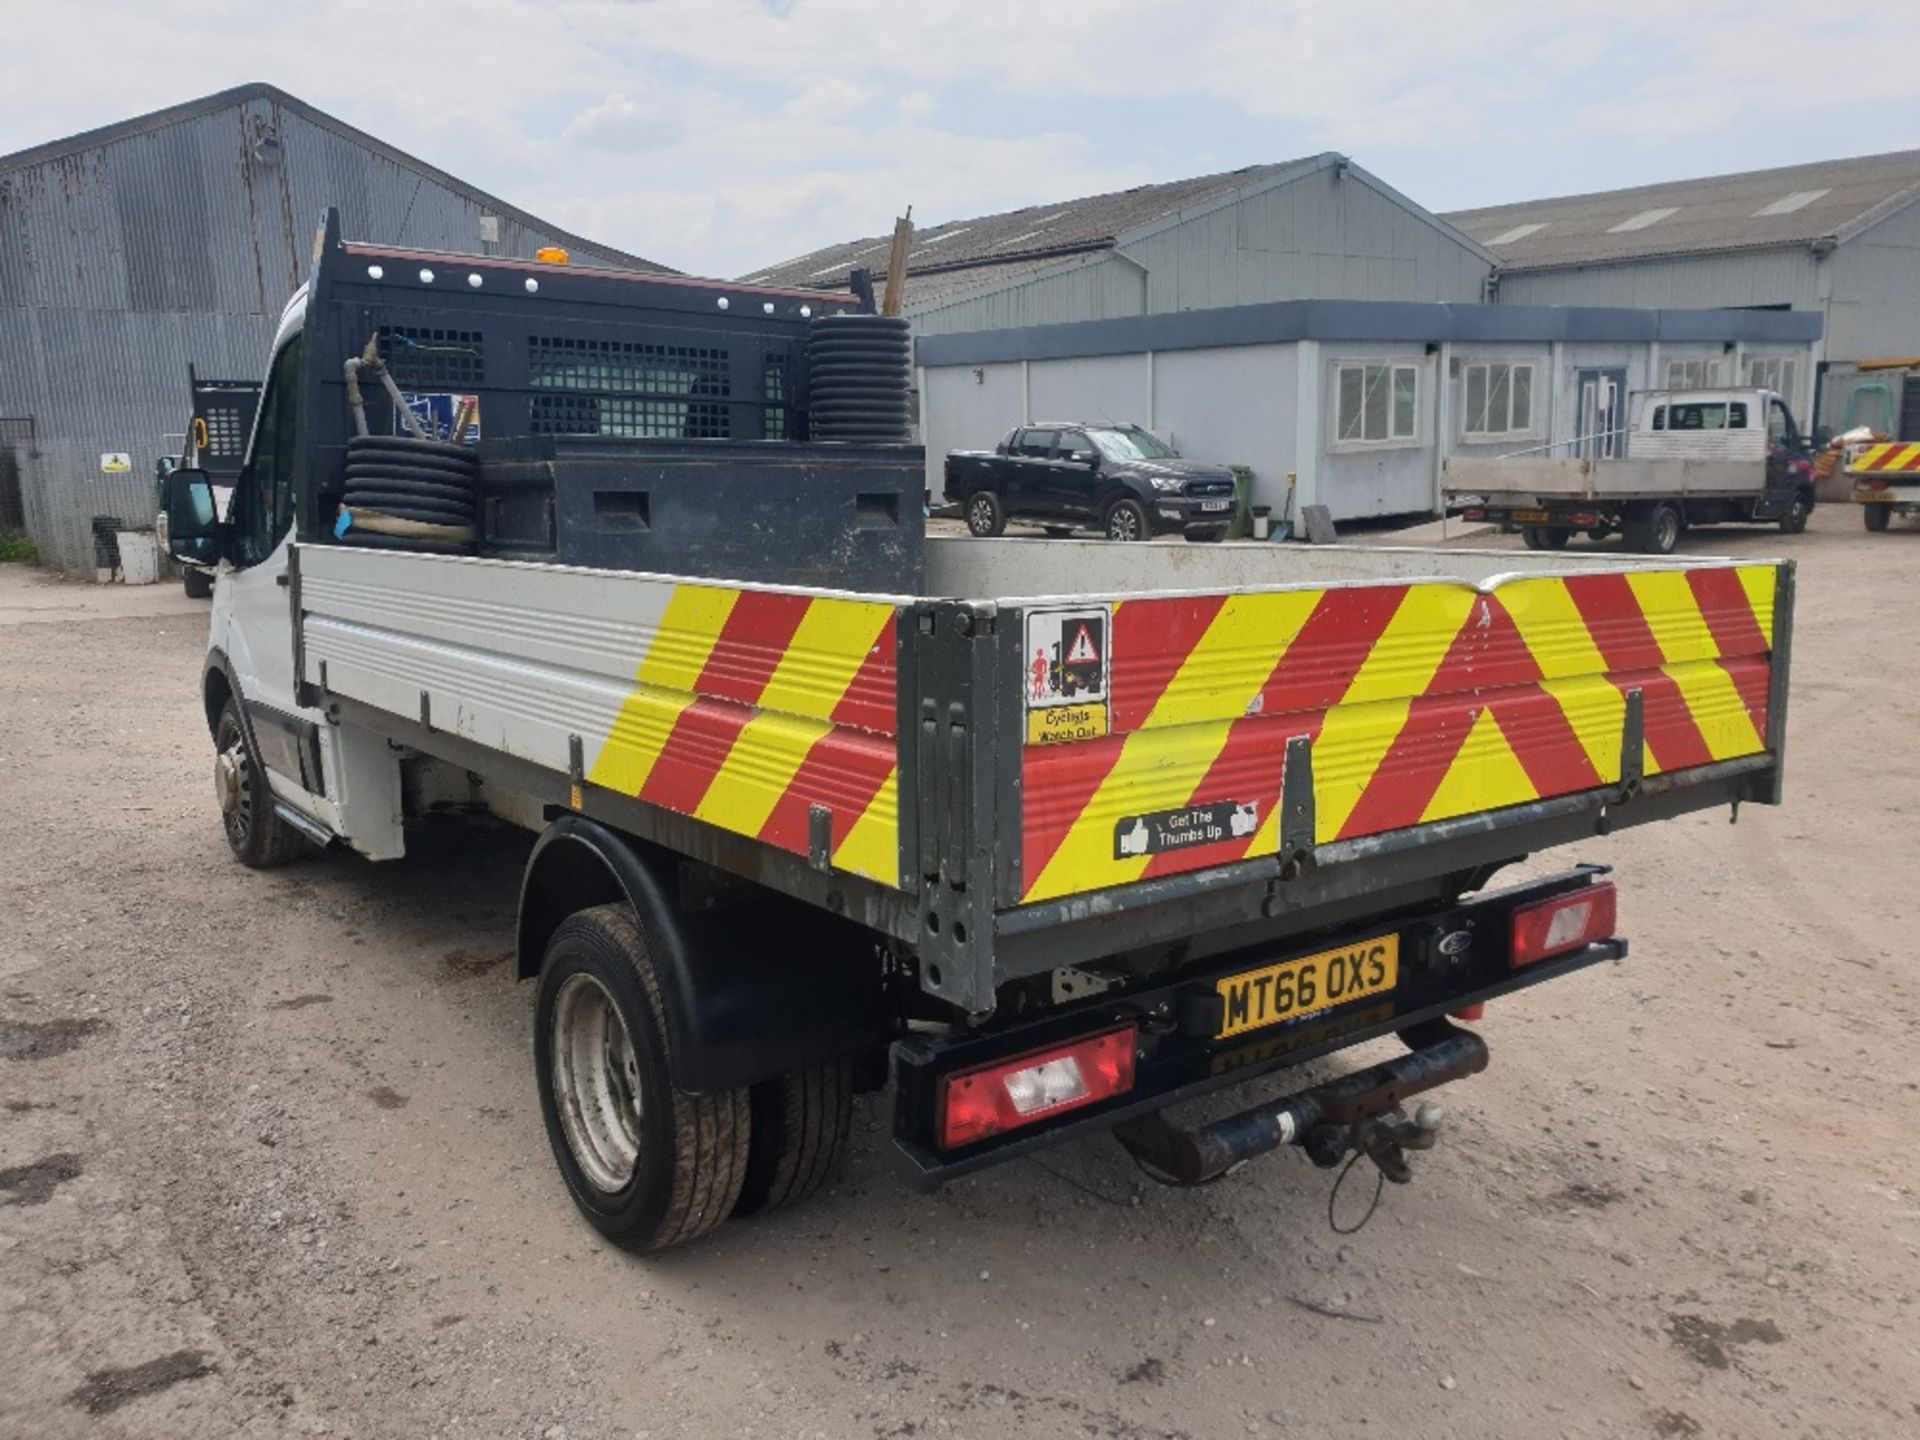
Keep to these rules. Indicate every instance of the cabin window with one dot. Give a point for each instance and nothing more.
(1692, 374)
(1499, 401)
(1377, 404)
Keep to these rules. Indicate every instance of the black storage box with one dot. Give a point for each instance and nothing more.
(774, 512)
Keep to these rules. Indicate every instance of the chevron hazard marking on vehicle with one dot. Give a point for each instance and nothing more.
(1422, 702)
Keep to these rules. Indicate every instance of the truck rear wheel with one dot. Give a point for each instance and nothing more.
(1657, 532)
(259, 838)
(648, 1165)
(1545, 537)
(1878, 517)
(986, 516)
(802, 1124)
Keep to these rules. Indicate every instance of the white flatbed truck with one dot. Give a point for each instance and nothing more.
(816, 811)
(1692, 457)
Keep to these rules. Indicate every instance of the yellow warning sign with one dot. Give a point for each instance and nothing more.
(1059, 724)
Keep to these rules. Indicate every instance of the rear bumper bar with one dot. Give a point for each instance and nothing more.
(1451, 958)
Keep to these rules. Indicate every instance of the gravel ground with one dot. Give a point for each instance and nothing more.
(271, 1160)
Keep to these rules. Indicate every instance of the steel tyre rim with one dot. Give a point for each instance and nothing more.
(233, 781)
(1666, 532)
(596, 1083)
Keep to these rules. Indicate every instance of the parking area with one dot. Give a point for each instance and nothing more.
(271, 1160)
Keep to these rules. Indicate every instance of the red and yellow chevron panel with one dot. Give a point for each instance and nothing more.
(1424, 701)
(750, 707)
(1894, 458)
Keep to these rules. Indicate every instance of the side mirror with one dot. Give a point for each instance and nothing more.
(194, 531)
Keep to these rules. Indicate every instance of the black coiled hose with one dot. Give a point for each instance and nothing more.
(408, 494)
(860, 379)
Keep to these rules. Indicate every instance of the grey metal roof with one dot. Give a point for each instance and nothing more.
(989, 248)
(240, 94)
(1793, 205)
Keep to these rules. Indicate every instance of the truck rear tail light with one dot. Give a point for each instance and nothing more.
(1473, 514)
(993, 1099)
(1566, 922)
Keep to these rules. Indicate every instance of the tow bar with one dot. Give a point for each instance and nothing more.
(1359, 1112)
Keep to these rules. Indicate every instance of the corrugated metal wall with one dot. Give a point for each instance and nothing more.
(1874, 313)
(1695, 282)
(1101, 288)
(1321, 237)
(123, 262)
(1316, 238)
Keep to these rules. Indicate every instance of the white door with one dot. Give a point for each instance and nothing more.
(253, 616)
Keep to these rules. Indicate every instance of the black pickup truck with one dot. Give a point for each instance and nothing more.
(1118, 478)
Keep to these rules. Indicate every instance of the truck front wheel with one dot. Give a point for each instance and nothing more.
(260, 839)
(1127, 520)
(1798, 509)
(648, 1165)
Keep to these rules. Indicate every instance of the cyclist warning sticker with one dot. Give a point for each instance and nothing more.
(1064, 674)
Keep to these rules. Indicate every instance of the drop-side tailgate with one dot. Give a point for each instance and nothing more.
(750, 709)
(1416, 702)
(1543, 478)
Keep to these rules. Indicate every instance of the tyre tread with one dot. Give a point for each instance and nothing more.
(710, 1131)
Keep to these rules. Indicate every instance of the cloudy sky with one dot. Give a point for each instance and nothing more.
(719, 136)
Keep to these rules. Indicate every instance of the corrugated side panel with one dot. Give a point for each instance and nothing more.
(1423, 702)
(740, 707)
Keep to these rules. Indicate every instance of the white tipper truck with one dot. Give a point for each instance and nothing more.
(816, 809)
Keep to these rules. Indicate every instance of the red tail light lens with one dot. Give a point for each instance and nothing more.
(992, 1099)
(1566, 922)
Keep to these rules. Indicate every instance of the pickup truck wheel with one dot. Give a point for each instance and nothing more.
(197, 583)
(259, 838)
(1545, 537)
(648, 1165)
(1878, 517)
(986, 516)
(801, 1126)
(1795, 519)
(1127, 520)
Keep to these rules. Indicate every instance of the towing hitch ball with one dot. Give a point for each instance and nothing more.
(1383, 1139)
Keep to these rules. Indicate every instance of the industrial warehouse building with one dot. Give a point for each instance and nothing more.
(1314, 229)
(1348, 403)
(1840, 238)
(130, 252)
(1304, 320)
